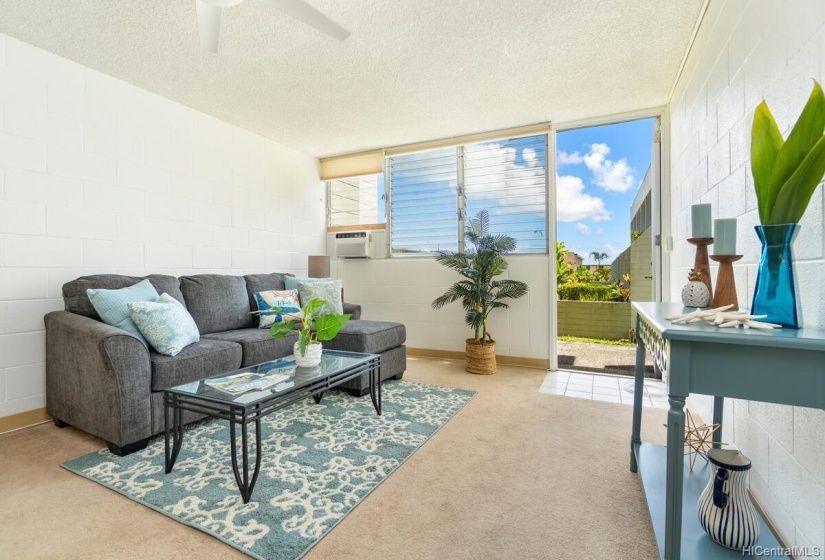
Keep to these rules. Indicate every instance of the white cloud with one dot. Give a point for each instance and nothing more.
(612, 251)
(573, 204)
(502, 173)
(587, 230)
(564, 158)
(613, 176)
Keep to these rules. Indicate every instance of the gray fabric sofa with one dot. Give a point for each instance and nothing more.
(104, 381)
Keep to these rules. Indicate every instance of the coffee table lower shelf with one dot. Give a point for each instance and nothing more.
(696, 544)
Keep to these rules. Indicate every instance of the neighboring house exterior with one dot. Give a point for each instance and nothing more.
(637, 259)
(573, 259)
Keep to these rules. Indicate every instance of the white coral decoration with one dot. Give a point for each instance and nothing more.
(721, 317)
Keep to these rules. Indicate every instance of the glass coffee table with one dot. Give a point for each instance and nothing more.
(274, 385)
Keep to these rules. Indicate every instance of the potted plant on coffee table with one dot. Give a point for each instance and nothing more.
(479, 292)
(314, 329)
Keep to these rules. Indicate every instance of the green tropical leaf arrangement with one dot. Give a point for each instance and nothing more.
(478, 292)
(787, 172)
(313, 327)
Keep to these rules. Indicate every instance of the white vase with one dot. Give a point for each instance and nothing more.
(311, 358)
(725, 509)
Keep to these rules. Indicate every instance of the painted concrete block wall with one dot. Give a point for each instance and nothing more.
(747, 51)
(609, 320)
(641, 266)
(98, 176)
(401, 289)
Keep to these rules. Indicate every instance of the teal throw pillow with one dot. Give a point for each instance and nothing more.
(111, 305)
(165, 323)
(291, 282)
(329, 290)
(285, 300)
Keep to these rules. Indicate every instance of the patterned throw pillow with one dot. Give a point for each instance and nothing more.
(111, 305)
(291, 282)
(286, 300)
(329, 290)
(165, 323)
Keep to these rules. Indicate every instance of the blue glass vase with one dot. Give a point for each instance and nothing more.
(776, 292)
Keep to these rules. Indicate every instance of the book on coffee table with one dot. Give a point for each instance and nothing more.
(243, 382)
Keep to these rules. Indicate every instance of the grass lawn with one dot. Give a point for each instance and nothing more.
(596, 341)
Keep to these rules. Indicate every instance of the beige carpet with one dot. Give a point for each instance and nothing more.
(516, 474)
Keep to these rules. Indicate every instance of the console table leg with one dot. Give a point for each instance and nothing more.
(675, 475)
(638, 394)
(718, 410)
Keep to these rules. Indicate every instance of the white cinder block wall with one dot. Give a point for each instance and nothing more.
(98, 176)
(402, 289)
(747, 51)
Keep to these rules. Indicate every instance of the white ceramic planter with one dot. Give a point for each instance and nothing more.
(311, 358)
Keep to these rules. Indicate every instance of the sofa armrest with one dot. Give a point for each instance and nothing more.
(98, 378)
(353, 309)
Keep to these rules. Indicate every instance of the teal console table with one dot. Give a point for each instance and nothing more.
(782, 366)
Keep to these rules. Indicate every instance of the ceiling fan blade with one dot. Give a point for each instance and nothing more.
(302, 11)
(209, 21)
(209, 25)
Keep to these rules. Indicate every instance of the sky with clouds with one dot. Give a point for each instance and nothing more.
(599, 172)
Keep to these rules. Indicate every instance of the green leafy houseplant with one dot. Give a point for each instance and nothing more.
(787, 172)
(326, 327)
(479, 292)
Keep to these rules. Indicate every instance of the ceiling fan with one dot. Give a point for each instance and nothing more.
(209, 19)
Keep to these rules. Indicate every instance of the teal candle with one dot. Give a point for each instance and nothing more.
(724, 236)
(700, 221)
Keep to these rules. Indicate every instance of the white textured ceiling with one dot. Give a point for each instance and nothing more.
(412, 70)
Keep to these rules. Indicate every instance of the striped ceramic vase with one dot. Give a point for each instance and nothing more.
(725, 510)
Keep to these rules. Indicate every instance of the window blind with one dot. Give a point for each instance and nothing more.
(424, 201)
(508, 178)
(356, 200)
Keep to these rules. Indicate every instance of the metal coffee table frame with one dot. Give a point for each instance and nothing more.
(240, 415)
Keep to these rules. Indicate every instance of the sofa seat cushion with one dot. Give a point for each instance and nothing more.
(258, 346)
(372, 337)
(200, 360)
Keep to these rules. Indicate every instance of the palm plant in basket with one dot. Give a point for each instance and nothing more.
(785, 175)
(479, 292)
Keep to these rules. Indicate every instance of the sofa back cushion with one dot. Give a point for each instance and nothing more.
(75, 299)
(263, 283)
(217, 303)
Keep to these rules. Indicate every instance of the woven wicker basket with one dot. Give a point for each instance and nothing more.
(481, 359)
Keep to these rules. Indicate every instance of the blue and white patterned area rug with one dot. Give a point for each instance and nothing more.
(319, 462)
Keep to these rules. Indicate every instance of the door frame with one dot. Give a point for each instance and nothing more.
(660, 198)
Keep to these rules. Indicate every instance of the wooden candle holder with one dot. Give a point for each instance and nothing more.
(701, 262)
(725, 282)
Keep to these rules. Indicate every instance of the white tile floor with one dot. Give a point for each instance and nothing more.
(599, 387)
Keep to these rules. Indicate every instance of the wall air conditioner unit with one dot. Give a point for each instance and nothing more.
(353, 244)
